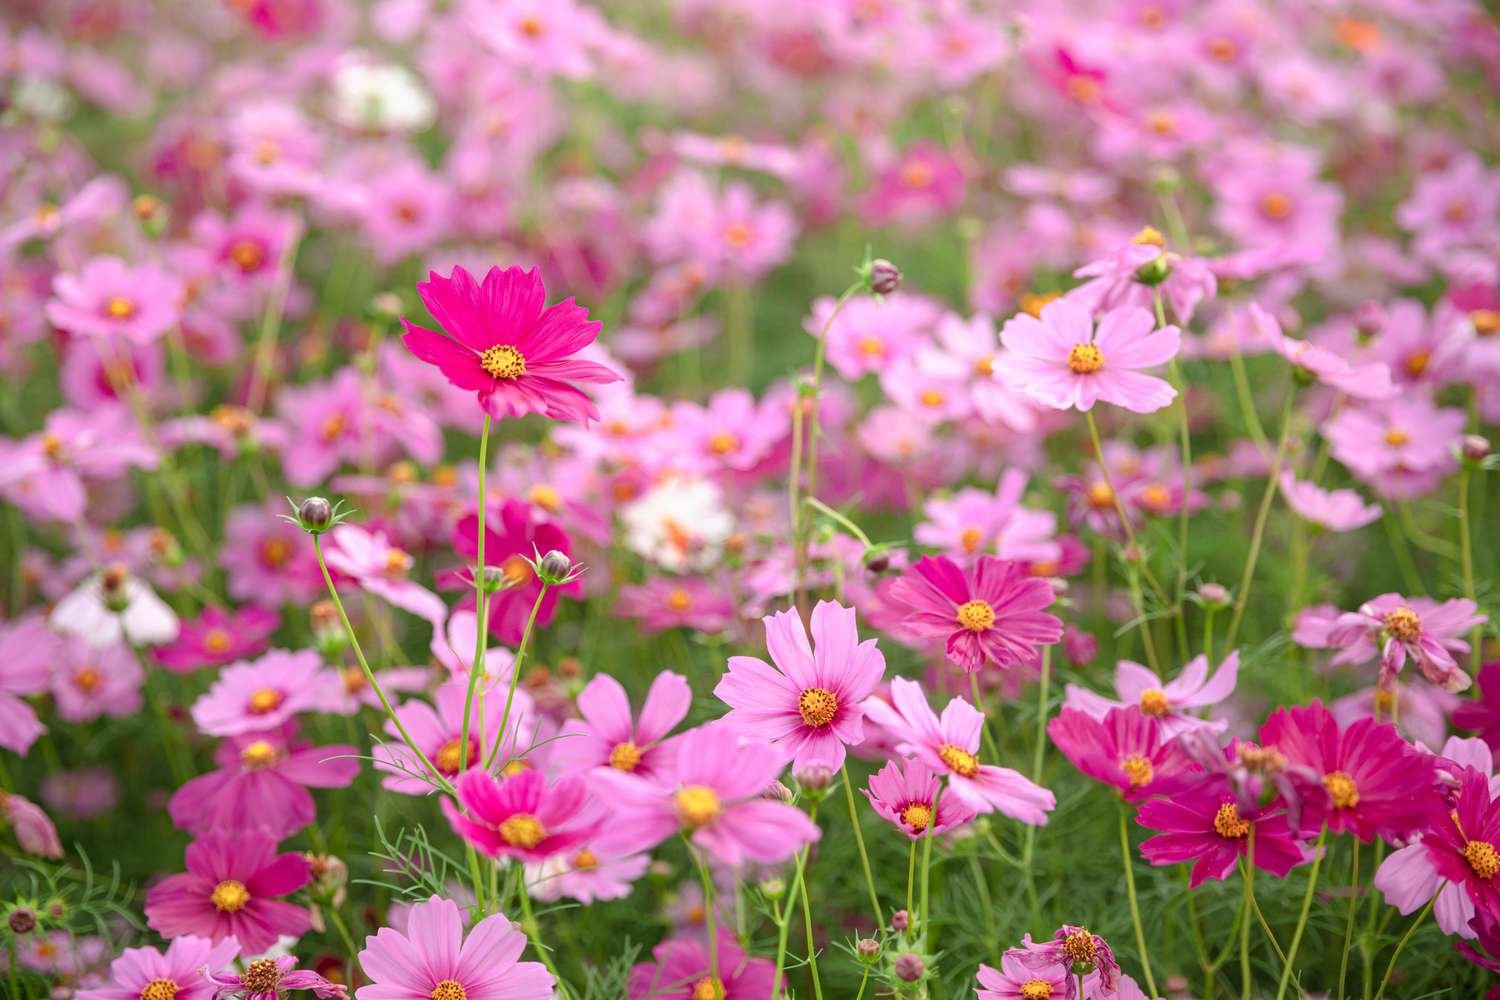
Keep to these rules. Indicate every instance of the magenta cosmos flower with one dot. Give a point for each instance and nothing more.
(715, 795)
(1481, 715)
(809, 703)
(684, 971)
(510, 542)
(432, 959)
(1464, 844)
(109, 298)
(219, 637)
(262, 783)
(264, 694)
(230, 889)
(270, 978)
(950, 745)
(1377, 783)
(1419, 628)
(607, 736)
(523, 816)
(1203, 824)
(905, 793)
(147, 974)
(1061, 360)
(503, 344)
(1170, 702)
(1126, 749)
(994, 610)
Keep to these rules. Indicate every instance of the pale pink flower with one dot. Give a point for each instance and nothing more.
(1171, 702)
(1395, 627)
(371, 561)
(1336, 510)
(608, 737)
(1061, 360)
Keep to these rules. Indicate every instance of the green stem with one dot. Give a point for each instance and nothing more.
(1440, 547)
(1401, 945)
(1349, 923)
(911, 876)
(1185, 445)
(270, 330)
(784, 922)
(984, 728)
(1307, 898)
(515, 673)
(859, 840)
(1247, 400)
(1466, 553)
(1038, 756)
(528, 920)
(1248, 880)
(1258, 533)
(927, 869)
(812, 948)
(344, 936)
(481, 620)
(1126, 862)
(1404, 561)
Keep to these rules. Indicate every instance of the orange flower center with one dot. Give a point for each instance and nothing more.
(871, 347)
(1341, 789)
(261, 977)
(450, 757)
(160, 989)
(545, 496)
(503, 361)
(265, 700)
(1083, 89)
(1154, 702)
(1417, 363)
(1482, 858)
(917, 174)
(218, 641)
(678, 600)
(738, 235)
(1036, 989)
(1079, 948)
(258, 754)
(970, 539)
(697, 805)
(625, 757)
(958, 760)
(1396, 437)
(87, 680)
(516, 570)
(930, 398)
(522, 830)
(708, 988)
(119, 307)
(1085, 359)
(584, 860)
(1403, 623)
(976, 616)
(274, 553)
(723, 443)
(1276, 206)
(1228, 824)
(916, 816)
(1486, 321)
(1138, 769)
(247, 255)
(230, 896)
(448, 989)
(818, 706)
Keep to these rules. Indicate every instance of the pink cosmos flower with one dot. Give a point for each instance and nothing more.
(262, 783)
(713, 794)
(523, 816)
(973, 521)
(510, 540)
(1419, 711)
(1062, 361)
(925, 182)
(809, 703)
(48, 473)
(250, 247)
(505, 346)
(433, 956)
(587, 874)
(663, 603)
(33, 828)
(267, 559)
(1020, 979)
(950, 745)
(1127, 749)
(219, 637)
(1336, 510)
(1139, 686)
(1454, 207)
(381, 568)
(1404, 437)
(994, 610)
(1376, 782)
(254, 696)
(439, 734)
(89, 682)
(1370, 381)
(1481, 715)
(1204, 824)
(25, 669)
(733, 433)
(1395, 627)
(870, 334)
(109, 298)
(182, 968)
(684, 971)
(271, 978)
(904, 792)
(608, 737)
(229, 890)
(1462, 840)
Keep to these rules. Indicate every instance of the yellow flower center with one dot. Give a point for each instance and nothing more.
(87, 680)
(818, 706)
(625, 757)
(265, 700)
(449, 989)
(450, 757)
(723, 443)
(1036, 989)
(354, 680)
(1085, 359)
(708, 988)
(1417, 363)
(1341, 789)
(1154, 702)
(698, 805)
(1138, 769)
(261, 976)
(1486, 321)
(230, 896)
(1482, 858)
(1083, 89)
(871, 347)
(545, 496)
(916, 816)
(247, 255)
(1404, 624)
(258, 754)
(119, 307)
(976, 616)
(1384, 700)
(917, 174)
(274, 553)
(516, 570)
(958, 760)
(1156, 496)
(738, 235)
(1228, 824)
(334, 426)
(397, 562)
(1396, 437)
(930, 398)
(1079, 948)
(218, 640)
(1276, 206)
(522, 830)
(585, 860)
(160, 989)
(970, 540)
(1101, 496)
(503, 361)
(678, 600)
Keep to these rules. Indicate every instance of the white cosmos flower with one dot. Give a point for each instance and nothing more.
(380, 96)
(680, 524)
(145, 621)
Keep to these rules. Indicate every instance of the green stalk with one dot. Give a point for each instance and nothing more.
(1401, 945)
(1466, 553)
(1258, 533)
(1038, 755)
(1126, 862)
(1349, 923)
(1307, 898)
(534, 932)
(515, 674)
(859, 840)
(1249, 901)
(481, 595)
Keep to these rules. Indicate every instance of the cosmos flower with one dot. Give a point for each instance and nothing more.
(254, 696)
(809, 703)
(33, 828)
(1061, 360)
(523, 816)
(1018, 980)
(511, 540)
(1336, 510)
(950, 745)
(1462, 840)
(115, 606)
(663, 603)
(1482, 715)
(183, 968)
(1397, 628)
(607, 736)
(905, 794)
(218, 637)
(271, 978)
(109, 298)
(504, 345)
(1126, 749)
(89, 682)
(438, 733)
(371, 561)
(25, 669)
(230, 889)
(992, 611)
(1139, 686)
(1204, 824)
(588, 874)
(432, 957)
(683, 970)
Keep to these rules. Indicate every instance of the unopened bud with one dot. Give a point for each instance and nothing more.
(112, 587)
(868, 950)
(772, 888)
(1214, 594)
(900, 920)
(1154, 271)
(778, 792)
(1369, 317)
(909, 968)
(813, 776)
(1475, 448)
(885, 277)
(555, 567)
(22, 920)
(315, 514)
(878, 562)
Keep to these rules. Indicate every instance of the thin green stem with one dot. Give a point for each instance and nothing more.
(1402, 551)
(984, 728)
(1349, 922)
(927, 870)
(534, 932)
(481, 595)
(812, 947)
(911, 876)
(270, 330)
(1401, 945)
(1258, 533)
(515, 674)
(1307, 898)
(1248, 879)
(1126, 862)
(1185, 445)
(859, 840)
(1038, 756)
(784, 922)
(1466, 554)
(1247, 400)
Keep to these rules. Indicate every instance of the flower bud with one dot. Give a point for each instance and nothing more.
(1215, 595)
(878, 562)
(1475, 448)
(909, 968)
(1369, 317)
(385, 305)
(315, 515)
(900, 920)
(555, 567)
(112, 587)
(813, 776)
(778, 792)
(330, 875)
(772, 888)
(1154, 271)
(885, 277)
(22, 920)
(868, 950)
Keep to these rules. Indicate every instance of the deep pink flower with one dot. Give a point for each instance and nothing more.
(1376, 782)
(182, 967)
(713, 794)
(270, 979)
(684, 971)
(903, 793)
(1127, 749)
(433, 957)
(254, 696)
(504, 345)
(1205, 824)
(262, 782)
(950, 746)
(108, 298)
(926, 181)
(1062, 361)
(230, 889)
(438, 733)
(809, 703)
(1139, 686)
(1481, 715)
(267, 559)
(218, 637)
(1396, 627)
(523, 816)
(1463, 842)
(510, 540)
(992, 611)
(608, 737)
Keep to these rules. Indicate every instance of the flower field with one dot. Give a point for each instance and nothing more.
(727, 500)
